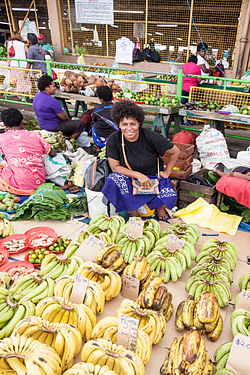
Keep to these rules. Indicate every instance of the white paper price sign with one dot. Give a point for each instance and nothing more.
(244, 300)
(89, 248)
(127, 331)
(238, 360)
(79, 289)
(135, 227)
(130, 287)
(174, 242)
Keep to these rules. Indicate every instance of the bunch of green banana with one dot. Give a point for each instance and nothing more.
(11, 312)
(170, 263)
(187, 356)
(240, 322)
(105, 222)
(5, 280)
(139, 269)
(244, 281)
(32, 287)
(74, 245)
(155, 296)
(188, 232)
(6, 228)
(102, 153)
(94, 297)
(54, 267)
(110, 257)
(221, 356)
(56, 140)
(132, 246)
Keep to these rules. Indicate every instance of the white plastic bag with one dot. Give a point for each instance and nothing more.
(212, 147)
(243, 157)
(83, 140)
(56, 168)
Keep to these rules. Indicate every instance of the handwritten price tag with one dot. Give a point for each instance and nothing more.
(89, 248)
(238, 360)
(127, 331)
(174, 242)
(79, 289)
(130, 287)
(244, 300)
(176, 220)
(135, 227)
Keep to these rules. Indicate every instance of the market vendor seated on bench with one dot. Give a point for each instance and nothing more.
(50, 114)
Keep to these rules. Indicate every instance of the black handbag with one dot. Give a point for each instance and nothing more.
(96, 174)
(150, 54)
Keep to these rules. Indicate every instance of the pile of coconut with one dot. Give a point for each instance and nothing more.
(74, 82)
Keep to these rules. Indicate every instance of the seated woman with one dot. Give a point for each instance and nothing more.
(138, 159)
(103, 125)
(22, 151)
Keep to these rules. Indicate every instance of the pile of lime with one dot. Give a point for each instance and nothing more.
(36, 256)
(8, 203)
(245, 110)
(60, 245)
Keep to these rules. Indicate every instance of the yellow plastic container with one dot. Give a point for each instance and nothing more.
(145, 211)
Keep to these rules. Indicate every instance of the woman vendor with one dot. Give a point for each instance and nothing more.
(136, 153)
(22, 151)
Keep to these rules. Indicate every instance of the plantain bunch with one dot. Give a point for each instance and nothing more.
(109, 257)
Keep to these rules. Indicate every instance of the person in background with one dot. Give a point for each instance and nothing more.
(101, 116)
(45, 46)
(22, 151)
(202, 62)
(35, 52)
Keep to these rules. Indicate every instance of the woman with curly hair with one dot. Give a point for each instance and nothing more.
(136, 153)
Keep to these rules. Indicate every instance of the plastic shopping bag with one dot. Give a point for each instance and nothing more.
(56, 168)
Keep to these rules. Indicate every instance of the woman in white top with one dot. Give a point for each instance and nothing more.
(201, 61)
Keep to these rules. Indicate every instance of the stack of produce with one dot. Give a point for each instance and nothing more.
(94, 297)
(167, 77)
(213, 271)
(6, 229)
(244, 284)
(110, 257)
(104, 222)
(201, 106)
(115, 357)
(151, 322)
(109, 281)
(107, 328)
(156, 296)
(187, 356)
(188, 232)
(149, 98)
(139, 269)
(37, 255)
(245, 110)
(12, 312)
(55, 139)
(24, 355)
(60, 245)
(220, 358)
(203, 315)
(54, 267)
(57, 310)
(78, 205)
(240, 322)
(83, 368)
(8, 202)
(47, 203)
(64, 338)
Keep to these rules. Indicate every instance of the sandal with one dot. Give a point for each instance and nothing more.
(74, 189)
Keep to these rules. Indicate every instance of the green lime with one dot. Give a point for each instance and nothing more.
(46, 252)
(51, 248)
(31, 260)
(33, 256)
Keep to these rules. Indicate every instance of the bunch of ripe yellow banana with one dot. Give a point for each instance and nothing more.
(6, 228)
(151, 322)
(170, 263)
(240, 322)
(94, 297)
(155, 296)
(56, 310)
(64, 338)
(103, 352)
(221, 356)
(110, 257)
(54, 267)
(109, 281)
(139, 269)
(11, 312)
(187, 356)
(82, 368)
(188, 232)
(203, 315)
(74, 245)
(107, 328)
(32, 287)
(24, 355)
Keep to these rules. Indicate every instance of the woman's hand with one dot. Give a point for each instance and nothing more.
(144, 180)
(164, 174)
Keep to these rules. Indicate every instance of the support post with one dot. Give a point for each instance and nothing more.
(146, 25)
(25, 18)
(190, 28)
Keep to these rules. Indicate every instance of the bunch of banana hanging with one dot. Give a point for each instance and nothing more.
(11, 312)
(139, 269)
(6, 228)
(156, 296)
(54, 267)
(83, 368)
(64, 338)
(24, 355)
(188, 232)
(110, 257)
(56, 310)
(109, 281)
(151, 322)
(32, 287)
(107, 328)
(94, 297)
(187, 356)
(240, 322)
(220, 358)
(203, 315)
(122, 361)
(5, 280)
